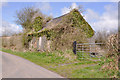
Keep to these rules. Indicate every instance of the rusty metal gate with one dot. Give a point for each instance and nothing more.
(87, 49)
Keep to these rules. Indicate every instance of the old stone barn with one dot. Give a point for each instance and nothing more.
(59, 33)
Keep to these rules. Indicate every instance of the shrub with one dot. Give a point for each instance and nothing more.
(5, 41)
(13, 42)
(26, 39)
(112, 45)
(112, 55)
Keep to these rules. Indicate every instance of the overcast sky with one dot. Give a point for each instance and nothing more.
(100, 15)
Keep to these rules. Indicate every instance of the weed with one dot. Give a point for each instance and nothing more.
(64, 66)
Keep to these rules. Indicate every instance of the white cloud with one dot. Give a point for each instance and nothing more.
(9, 29)
(44, 6)
(107, 21)
(51, 14)
(90, 15)
(74, 6)
(66, 10)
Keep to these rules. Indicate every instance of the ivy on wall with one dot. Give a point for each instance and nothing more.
(78, 21)
(71, 28)
(37, 24)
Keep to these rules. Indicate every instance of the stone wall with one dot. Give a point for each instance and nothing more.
(40, 44)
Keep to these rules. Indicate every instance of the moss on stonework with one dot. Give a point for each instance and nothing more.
(79, 21)
(72, 27)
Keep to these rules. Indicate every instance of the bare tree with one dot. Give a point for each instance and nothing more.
(101, 36)
(25, 15)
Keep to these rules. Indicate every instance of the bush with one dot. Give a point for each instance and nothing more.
(13, 42)
(101, 37)
(112, 45)
(5, 41)
(111, 60)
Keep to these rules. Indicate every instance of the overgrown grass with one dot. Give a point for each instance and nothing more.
(74, 68)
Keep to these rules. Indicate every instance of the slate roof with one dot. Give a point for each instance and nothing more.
(52, 23)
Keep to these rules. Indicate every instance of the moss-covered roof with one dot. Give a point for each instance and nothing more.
(63, 30)
(73, 17)
(53, 23)
(77, 20)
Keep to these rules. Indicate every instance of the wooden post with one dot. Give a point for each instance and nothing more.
(119, 41)
(90, 48)
(74, 47)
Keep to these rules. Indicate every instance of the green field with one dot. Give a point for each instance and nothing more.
(70, 68)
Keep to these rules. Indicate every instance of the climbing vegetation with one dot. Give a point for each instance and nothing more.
(71, 27)
(37, 24)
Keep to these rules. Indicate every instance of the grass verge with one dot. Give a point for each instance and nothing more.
(74, 68)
